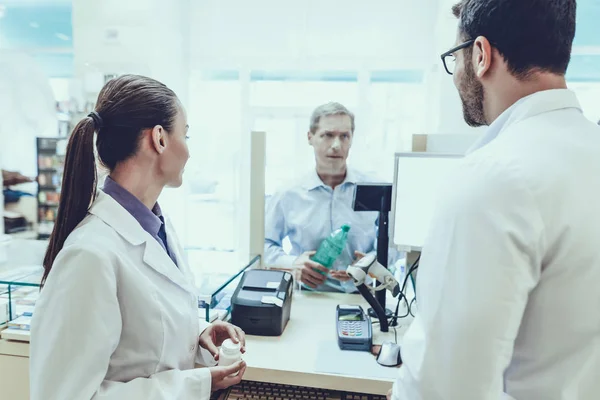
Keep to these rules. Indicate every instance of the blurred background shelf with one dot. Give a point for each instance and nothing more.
(50, 166)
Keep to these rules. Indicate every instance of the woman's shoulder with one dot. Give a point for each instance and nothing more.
(93, 234)
(92, 250)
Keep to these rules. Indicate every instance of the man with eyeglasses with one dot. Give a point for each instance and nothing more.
(508, 299)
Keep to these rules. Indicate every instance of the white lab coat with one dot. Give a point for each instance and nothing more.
(117, 319)
(508, 287)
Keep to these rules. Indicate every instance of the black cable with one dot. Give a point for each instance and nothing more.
(412, 268)
(410, 306)
(395, 317)
(409, 275)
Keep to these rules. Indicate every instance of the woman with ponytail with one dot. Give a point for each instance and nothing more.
(117, 316)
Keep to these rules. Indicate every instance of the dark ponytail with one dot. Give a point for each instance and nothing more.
(126, 106)
(78, 189)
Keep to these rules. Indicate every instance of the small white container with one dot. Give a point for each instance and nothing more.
(229, 353)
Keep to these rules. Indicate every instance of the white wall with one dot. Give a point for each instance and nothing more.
(26, 111)
(135, 36)
(170, 40)
(148, 37)
(311, 34)
(445, 115)
(60, 88)
(178, 41)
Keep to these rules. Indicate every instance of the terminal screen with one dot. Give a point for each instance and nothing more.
(351, 316)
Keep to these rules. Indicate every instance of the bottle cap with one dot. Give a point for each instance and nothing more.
(345, 228)
(230, 347)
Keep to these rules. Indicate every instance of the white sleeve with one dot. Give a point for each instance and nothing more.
(75, 329)
(481, 259)
(203, 356)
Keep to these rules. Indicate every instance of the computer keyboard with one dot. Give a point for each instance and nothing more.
(274, 391)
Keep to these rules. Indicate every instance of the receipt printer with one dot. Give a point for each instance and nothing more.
(262, 302)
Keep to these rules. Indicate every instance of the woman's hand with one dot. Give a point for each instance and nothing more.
(215, 335)
(222, 376)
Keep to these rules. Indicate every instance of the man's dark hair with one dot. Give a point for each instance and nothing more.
(531, 35)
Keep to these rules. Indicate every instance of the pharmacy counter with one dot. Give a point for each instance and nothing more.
(306, 354)
(14, 370)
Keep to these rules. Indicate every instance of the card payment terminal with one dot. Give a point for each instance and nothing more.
(354, 328)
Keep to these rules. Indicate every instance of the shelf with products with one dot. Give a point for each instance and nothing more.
(51, 159)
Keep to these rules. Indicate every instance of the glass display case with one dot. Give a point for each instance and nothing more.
(19, 290)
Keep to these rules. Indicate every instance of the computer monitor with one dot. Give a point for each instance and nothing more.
(417, 181)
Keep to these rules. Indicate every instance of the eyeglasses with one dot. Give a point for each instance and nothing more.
(449, 59)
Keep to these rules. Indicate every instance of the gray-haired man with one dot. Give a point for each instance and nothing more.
(308, 211)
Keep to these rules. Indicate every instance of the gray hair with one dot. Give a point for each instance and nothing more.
(325, 110)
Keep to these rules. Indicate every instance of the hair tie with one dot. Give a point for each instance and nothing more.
(98, 123)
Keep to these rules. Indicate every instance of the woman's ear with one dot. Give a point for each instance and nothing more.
(159, 140)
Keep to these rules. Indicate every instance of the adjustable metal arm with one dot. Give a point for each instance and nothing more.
(366, 293)
(368, 265)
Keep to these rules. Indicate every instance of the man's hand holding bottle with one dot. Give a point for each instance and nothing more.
(313, 274)
(315, 266)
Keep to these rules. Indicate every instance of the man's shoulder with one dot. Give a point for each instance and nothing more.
(488, 163)
(291, 187)
(496, 173)
(366, 176)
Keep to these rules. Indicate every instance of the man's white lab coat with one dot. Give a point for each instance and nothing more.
(117, 319)
(509, 283)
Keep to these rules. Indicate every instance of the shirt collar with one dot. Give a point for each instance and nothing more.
(150, 220)
(313, 181)
(527, 107)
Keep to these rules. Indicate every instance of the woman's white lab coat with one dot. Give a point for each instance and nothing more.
(117, 319)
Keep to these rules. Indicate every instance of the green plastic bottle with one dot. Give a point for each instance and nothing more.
(331, 248)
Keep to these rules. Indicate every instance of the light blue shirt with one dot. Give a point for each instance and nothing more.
(308, 212)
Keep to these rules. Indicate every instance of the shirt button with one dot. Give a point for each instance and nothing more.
(192, 348)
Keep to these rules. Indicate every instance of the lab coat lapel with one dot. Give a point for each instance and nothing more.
(157, 258)
(114, 215)
(177, 251)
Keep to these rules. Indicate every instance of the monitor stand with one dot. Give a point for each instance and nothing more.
(377, 197)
